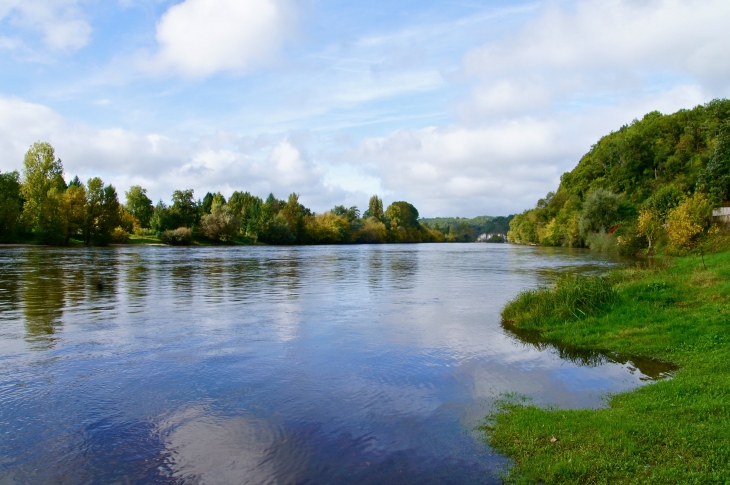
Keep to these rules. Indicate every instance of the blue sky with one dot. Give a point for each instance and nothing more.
(462, 108)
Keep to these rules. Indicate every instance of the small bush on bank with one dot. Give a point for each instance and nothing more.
(182, 236)
(119, 236)
(572, 298)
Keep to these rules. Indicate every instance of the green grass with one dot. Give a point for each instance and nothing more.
(671, 431)
(135, 239)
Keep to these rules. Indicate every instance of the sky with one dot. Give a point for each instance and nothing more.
(462, 108)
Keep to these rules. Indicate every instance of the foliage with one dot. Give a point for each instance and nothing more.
(479, 225)
(715, 180)
(182, 236)
(688, 221)
(220, 224)
(73, 209)
(139, 205)
(650, 225)
(102, 212)
(11, 206)
(119, 236)
(42, 187)
(375, 208)
(600, 211)
(671, 431)
(184, 209)
(649, 165)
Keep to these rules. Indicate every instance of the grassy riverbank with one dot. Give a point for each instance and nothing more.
(673, 431)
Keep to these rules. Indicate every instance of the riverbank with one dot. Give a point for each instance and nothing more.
(671, 431)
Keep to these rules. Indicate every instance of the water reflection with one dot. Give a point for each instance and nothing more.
(649, 369)
(43, 299)
(362, 364)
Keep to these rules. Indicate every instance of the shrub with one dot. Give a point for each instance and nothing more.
(182, 236)
(688, 221)
(119, 236)
(602, 242)
(572, 298)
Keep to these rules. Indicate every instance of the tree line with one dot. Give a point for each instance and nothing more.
(650, 185)
(38, 205)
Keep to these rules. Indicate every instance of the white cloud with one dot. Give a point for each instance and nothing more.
(600, 48)
(161, 163)
(201, 37)
(61, 22)
(503, 166)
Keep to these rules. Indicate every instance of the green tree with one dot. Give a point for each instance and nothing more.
(375, 208)
(402, 214)
(185, 208)
(42, 186)
(249, 210)
(715, 180)
(163, 219)
(294, 214)
(102, 212)
(220, 224)
(139, 205)
(600, 210)
(351, 214)
(73, 210)
(11, 206)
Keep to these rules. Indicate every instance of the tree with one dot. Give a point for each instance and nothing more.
(102, 212)
(249, 211)
(42, 187)
(220, 224)
(73, 210)
(715, 180)
(11, 206)
(687, 222)
(402, 214)
(139, 205)
(294, 213)
(650, 225)
(350, 214)
(600, 210)
(163, 219)
(375, 208)
(185, 208)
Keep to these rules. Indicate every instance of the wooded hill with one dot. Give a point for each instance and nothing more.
(465, 229)
(626, 192)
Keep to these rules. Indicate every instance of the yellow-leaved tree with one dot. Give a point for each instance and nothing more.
(687, 223)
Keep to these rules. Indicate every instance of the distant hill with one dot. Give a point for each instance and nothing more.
(468, 229)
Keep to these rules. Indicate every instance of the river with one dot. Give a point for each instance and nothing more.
(280, 365)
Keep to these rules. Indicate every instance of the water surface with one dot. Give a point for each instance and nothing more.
(338, 364)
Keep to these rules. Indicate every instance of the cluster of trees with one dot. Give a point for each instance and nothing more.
(468, 230)
(38, 205)
(44, 205)
(653, 182)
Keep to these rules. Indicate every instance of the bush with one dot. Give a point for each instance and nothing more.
(119, 236)
(602, 242)
(145, 232)
(182, 236)
(687, 222)
(572, 298)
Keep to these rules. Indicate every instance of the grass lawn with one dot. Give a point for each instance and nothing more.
(671, 431)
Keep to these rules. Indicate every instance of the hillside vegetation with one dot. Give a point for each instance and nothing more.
(651, 183)
(464, 229)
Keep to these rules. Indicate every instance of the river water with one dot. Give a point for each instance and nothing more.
(252, 365)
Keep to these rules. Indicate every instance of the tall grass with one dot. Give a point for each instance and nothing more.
(572, 297)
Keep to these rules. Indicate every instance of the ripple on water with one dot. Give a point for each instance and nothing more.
(358, 364)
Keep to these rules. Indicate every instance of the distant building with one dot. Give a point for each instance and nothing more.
(721, 215)
(492, 237)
